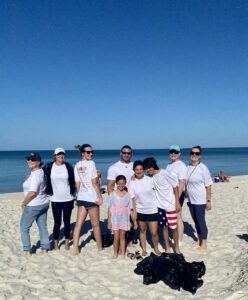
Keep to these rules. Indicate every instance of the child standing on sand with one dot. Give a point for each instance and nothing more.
(119, 207)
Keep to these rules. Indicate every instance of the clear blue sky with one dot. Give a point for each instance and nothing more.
(145, 73)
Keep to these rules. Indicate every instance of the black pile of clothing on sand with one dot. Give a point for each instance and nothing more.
(173, 270)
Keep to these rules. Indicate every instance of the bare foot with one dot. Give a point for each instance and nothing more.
(202, 248)
(75, 251)
(144, 253)
(115, 256)
(67, 245)
(167, 250)
(43, 252)
(196, 243)
(177, 250)
(27, 253)
(157, 252)
(56, 245)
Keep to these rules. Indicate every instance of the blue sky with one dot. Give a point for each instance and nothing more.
(108, 73)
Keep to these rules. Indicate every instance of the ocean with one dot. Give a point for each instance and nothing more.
(13, 167)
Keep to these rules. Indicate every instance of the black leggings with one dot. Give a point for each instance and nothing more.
(58, 208)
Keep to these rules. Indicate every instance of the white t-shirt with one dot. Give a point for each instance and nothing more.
(198, 178)
(178, 168)
(164, 182)
(85, 171)
(60, 184)
(144, 193)
(120, 168)
(36, 183)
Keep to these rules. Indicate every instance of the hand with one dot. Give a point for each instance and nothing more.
(178, 207)
(208, 206)
(99, 201)
(109, 225)
(23, 206)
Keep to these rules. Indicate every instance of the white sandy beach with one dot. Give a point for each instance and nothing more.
(60, 275)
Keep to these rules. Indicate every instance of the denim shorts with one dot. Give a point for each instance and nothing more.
(86, 204)
(147, 217)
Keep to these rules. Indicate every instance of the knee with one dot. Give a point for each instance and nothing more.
(154, 234)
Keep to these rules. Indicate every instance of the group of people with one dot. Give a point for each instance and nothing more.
(140, 195)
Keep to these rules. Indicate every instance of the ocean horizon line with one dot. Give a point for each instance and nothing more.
(96, 149)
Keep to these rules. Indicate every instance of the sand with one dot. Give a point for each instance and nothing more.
(91, 275)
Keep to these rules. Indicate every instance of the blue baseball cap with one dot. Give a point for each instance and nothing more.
(175, 147)
(34, 156)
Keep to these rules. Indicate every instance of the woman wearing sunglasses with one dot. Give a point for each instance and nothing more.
(35, 205)
(61, 188)
(88, 196)
(198, 186)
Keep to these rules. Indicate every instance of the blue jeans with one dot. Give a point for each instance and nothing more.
(30, 214)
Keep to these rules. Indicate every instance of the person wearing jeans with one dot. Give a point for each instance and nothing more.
(35, 205)
(61, 189)
(30, 214)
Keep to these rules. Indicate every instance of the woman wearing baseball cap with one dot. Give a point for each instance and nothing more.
(61, 189)
(35, 204)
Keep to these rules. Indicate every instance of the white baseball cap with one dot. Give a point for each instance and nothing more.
(58, 150)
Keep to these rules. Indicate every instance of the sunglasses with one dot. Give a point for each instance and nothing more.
(89, 152)
(195, 153)
(173, 152)
(29, 159)
(126, 153)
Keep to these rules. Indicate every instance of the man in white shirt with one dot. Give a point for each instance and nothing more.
(179, 169)
(122, 167)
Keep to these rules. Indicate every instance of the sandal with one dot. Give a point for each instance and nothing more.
(131, 255)
(138, 255)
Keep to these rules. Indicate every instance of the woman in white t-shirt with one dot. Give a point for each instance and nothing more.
(61, 189)
(143, 194)
(88, 196)
(198, 185)
(35, 205)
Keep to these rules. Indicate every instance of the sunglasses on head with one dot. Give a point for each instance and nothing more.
(195, 153)
(173, 151)
(89, 152)
(126, 153)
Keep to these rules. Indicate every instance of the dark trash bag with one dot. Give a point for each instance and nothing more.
(173, 270)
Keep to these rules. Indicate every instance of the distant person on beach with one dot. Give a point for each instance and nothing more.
(167, 193)
(141, 189)
(179, 169)
(123, 167)
(223, 177)
(119, 207)
(198, 186)
(35, 205)
(99, 182)
(61, 189)
(89, 197)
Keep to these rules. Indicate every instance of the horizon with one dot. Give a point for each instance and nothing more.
(133, 149)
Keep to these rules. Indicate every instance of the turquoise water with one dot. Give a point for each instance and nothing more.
(13, 168)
